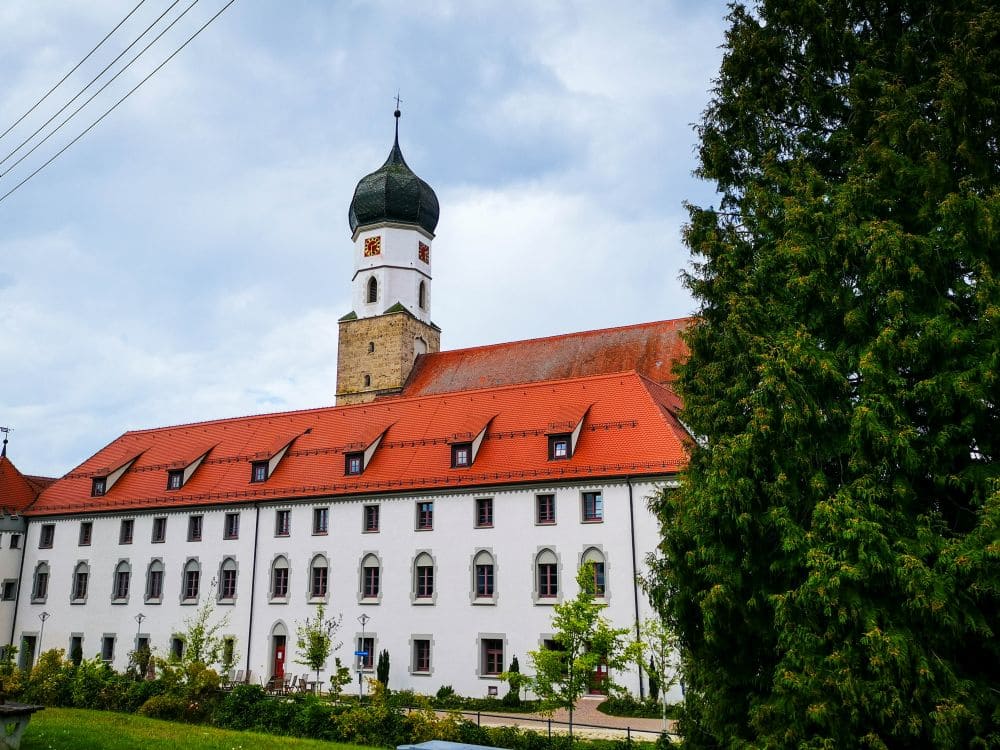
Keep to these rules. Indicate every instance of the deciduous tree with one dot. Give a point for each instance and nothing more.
(830, 561)
(314, 640)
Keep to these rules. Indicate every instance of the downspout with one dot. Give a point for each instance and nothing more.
(253, 585)
(20, 577)
(635, 577)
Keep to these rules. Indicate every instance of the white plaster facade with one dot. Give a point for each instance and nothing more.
(452, 619)
(397, 269)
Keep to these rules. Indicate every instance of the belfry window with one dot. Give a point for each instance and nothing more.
(422, 295)
(372, 290)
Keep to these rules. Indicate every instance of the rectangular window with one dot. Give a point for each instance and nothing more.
(279, 585)
(484, 512)
(231, 527)
(15, 541)
(176, 647)
(258, 471)
(9, 591)
(86, 533)
(492, 656)
(558, 447)
(154, 587)
(461, 455)
(192, 579)
(317, 589)
(282, 522)
(98, 486)
(47, 536)
(593, 507)
(545, 509)
(421, 655)
(321, 519)
(80, 585)
(125, 531)
(371, 518)
(425, 581)
(227, 588)
(366, 659)
(353, 463)
(228, 650)
(159, 530)
(121, 584)
(194, 528)
(108, 648)
(175, 478)
(370, 582)
(484, 581)
(548, 580)
(425, 516)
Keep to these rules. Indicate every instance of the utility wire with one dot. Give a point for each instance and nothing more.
(74, 69)
(91, 83)
(114, 106)
(93, 96)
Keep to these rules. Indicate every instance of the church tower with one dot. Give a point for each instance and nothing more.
(393, 216)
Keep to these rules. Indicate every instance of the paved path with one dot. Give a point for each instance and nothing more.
(600, 725)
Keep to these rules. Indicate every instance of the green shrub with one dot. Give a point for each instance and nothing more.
(626, 705)
(50, 680)
(170, 707)
(277, 715)
(239, 709)
(314, 718)
(472, 734)
(88, 683)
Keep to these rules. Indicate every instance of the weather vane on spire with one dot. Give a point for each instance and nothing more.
(5, 431)
(398, 101)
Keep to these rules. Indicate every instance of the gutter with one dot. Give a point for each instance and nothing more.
(635, 575)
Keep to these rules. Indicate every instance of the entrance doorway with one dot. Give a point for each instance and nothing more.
(598, 678)
(278, 650)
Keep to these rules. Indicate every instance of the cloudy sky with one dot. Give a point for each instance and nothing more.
(189, 257)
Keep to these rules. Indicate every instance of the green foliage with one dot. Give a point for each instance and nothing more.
(830, 561)
(340, 677)
(657, 639)
(627, 705)
(170, 707)
(654, 684)
(204, 641)
(516, 680)
(240, 708)
(585, 640)
(50, 680)
(382, 668)
(315, 640)
(11, 678)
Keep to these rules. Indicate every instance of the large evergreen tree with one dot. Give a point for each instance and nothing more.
(830, 562)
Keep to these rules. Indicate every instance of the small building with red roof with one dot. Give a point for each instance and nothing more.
(441, 507)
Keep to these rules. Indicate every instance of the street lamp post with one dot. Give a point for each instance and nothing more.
(362, 654)
(138, 628)
(41, 633)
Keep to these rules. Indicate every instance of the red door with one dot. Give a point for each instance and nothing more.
(279, 656)
(597, 679)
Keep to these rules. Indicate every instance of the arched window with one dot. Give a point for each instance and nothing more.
(423, 579)
(40, 585)
(279, 578)
(593, 556)
(422, 295)
(120, 584)
(227, 580)
(371, 347)
(154, 582)
(81, 580)
(368, 381)
(191, 581)
(371, 578)
(484, 577)
(546, 576)
(319, 577)
(372, 290)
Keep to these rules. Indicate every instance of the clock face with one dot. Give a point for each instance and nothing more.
(373, 246)
(424, 252)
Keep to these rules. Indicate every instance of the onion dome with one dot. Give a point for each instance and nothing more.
(394, 193)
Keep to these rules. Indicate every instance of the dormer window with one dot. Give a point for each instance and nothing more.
(353, 463)
(175, 478)
(461, 455)
(559, 447)
(98, 486)
(258, 471)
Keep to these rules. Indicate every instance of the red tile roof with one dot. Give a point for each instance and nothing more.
(18, 491)
(628, 430)
(648, 348)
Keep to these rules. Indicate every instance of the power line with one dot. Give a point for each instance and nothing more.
(91, 83)
(115, 105)
(73, 70)
(93, 96)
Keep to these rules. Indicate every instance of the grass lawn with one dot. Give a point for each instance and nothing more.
(76, 729)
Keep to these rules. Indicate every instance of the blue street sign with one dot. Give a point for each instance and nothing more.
(361, 653)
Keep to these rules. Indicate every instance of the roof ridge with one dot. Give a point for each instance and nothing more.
(574, 334)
